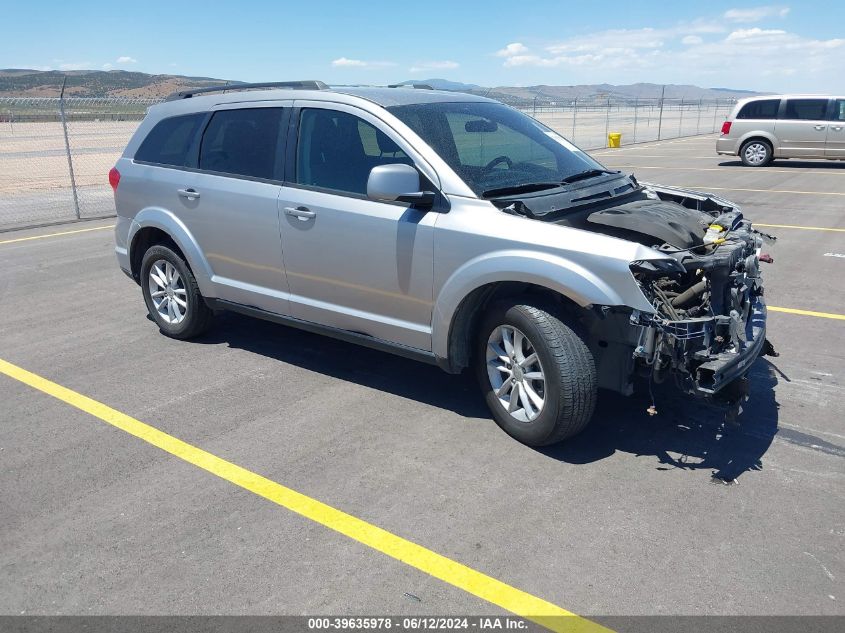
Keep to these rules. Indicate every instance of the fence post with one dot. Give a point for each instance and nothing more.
(607, 121)
(574, 114)
(67, 148)
(698, 119)
(535, 107)
(660, 119)
(681, 120)
(636, 104)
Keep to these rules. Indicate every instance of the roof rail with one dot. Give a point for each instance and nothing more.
(308, 84)
(416, 86)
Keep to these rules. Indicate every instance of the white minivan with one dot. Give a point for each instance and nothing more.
(763, 128)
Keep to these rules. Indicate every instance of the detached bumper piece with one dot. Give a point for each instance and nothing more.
(721, 369)
(688, 348)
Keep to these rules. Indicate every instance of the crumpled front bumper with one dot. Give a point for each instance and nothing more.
(723, 368)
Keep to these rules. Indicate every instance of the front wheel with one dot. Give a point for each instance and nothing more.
(171, 293)
(537, 375)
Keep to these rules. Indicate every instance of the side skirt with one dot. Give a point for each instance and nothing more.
(342, 335)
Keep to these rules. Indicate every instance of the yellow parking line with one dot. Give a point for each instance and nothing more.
(759, 171)
(807, 193)
(474, 582)
(41, 237)
(823, 315)
(795, 226)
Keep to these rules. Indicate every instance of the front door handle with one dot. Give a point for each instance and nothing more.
(190, 194)
(819, 127)
(303, 213)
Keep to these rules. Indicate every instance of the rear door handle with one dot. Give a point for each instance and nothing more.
(819, 127)
(836, 128)
(303, 213)
(190, 194)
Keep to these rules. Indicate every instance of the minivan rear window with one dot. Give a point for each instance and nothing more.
(763, 109)
(169, 142)
(806, 109)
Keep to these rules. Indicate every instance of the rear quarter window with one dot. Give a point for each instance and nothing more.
(169, 142)
(806, 109)
(763, 109)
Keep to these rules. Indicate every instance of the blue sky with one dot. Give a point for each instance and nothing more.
(798, 46)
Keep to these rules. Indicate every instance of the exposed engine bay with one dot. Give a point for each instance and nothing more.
(709, 317)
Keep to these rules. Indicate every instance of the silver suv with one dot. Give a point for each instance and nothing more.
(443, 227)
(761, 129)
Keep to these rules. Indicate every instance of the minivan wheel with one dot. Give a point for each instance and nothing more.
(756, 153)
(537, 375)
(172, 296)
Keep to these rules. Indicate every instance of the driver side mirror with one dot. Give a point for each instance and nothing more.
(398, 183)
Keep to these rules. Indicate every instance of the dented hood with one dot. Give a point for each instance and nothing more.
(660, 220)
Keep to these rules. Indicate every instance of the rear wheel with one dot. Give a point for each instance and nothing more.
(171, 293)
(756, 153)
(537, 375)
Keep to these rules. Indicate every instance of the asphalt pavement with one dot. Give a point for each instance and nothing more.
(639, 515)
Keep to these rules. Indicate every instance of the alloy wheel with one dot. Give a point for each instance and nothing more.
(167, 291)
(515, 373)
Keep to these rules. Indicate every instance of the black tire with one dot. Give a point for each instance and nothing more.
(197, 316)
(570, 384)
(756, 153)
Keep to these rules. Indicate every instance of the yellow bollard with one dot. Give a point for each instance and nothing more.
(614, 139)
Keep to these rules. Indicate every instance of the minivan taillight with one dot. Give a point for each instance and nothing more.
(114, 178)
(726, 128)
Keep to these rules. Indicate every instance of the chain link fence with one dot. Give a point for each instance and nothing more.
(55, 153)
(587, 122)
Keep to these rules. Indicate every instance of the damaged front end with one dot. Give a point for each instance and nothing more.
(709, 320)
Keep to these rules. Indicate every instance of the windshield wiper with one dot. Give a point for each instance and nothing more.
(584, 175)
(523, 188)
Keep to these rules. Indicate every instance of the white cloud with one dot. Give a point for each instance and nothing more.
(425, 66)
(345, 62)
(756, 33)
(614, 48)
(125, 59)
(755, 14)
(749, 57)
(107, 66)
(512, 49)
(74, 65)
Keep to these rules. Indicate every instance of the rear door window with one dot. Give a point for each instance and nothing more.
(806, 109)
(839, 110)
(763, 109)
(243, 142)
(169, 142)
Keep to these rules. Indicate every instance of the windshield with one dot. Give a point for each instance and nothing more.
(496, 149)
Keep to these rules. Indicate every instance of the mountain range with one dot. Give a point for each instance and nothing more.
(20, 82)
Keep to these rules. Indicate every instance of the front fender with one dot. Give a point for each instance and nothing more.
(554, 272)
(164, 220)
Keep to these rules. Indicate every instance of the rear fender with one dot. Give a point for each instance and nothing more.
(156, 217)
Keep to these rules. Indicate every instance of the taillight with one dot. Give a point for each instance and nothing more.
(114, 178)
(726, 128)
